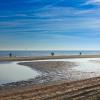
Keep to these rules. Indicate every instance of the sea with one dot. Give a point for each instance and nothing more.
(20, 53)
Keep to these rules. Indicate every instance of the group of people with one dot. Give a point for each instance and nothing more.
(52, 54)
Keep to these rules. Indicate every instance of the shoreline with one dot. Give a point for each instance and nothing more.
(47, 70)
(47, 57)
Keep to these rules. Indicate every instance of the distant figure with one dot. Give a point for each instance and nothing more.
(52, 54)
(80, 53)
(10, 54)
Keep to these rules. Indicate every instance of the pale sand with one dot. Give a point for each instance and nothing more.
(47, 57)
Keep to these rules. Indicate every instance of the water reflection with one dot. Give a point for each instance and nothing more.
(83, 64)
(86, 68)
(12, 72)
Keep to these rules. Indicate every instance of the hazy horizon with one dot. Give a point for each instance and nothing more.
(49, 24)
(46, 50)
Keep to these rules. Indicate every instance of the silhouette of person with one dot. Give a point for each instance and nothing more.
(80, 53)
(52, 53)
(10, 54)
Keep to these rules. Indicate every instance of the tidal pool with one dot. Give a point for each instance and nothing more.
(12, 72)
(85, 68)
(83, 64)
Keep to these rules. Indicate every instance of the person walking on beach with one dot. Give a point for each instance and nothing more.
(80, 53)
(52, 54)
(10, 54)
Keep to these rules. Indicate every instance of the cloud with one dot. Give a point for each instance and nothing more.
(92, 2)
(89, 11)
(55, 12)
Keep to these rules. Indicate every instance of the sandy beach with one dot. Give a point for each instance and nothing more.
(49, 49)
(88, 89)
(47, 57)
(51, 88)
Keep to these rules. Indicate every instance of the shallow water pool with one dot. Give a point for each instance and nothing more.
(12, 72)
(85, 68)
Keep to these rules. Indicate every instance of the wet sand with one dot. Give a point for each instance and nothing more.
(57, 71)
(51, 71)
(50, 89)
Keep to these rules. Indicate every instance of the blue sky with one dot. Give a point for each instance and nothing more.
(49, 24)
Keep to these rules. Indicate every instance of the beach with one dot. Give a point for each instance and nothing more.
(49, 50)
(51, 87)
(47, 57)
(88, 89)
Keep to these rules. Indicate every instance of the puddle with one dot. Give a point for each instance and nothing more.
(12, 72)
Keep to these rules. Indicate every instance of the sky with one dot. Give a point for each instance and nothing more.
(49, 24)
